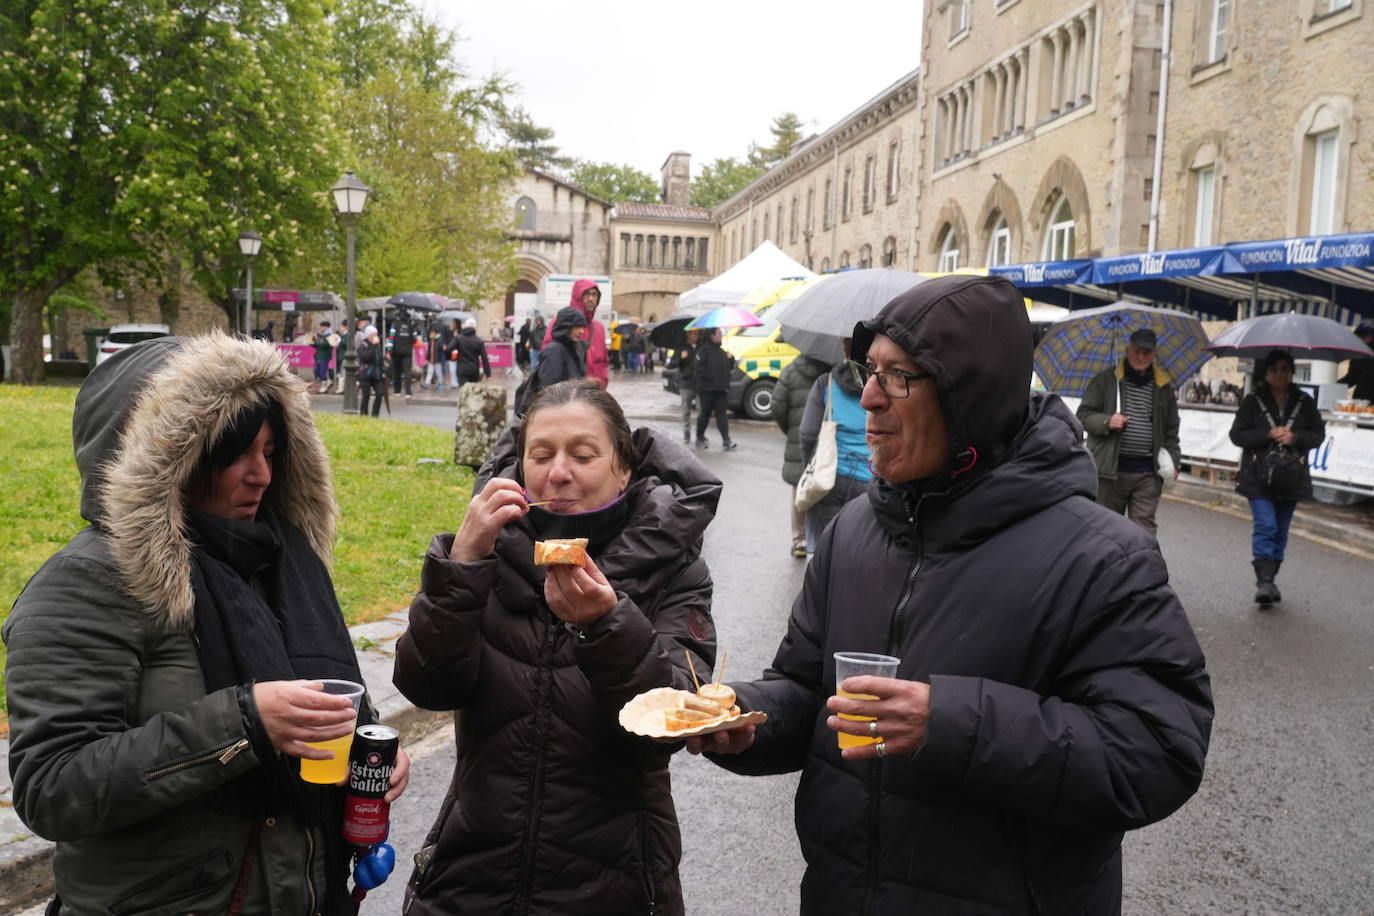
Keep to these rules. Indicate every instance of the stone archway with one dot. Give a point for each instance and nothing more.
(521, 286)
(951, 216)
(1001, 199)
(1062, 179)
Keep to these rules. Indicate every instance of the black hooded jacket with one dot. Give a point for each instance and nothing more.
(563, 359)
(1068, 696)
(554, 808)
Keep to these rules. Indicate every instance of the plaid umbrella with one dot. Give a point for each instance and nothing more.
(727, 316)
(1082, 344)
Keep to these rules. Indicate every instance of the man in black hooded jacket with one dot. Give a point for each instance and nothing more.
(1051, 693)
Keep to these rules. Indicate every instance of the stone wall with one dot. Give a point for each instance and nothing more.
(1284, 76)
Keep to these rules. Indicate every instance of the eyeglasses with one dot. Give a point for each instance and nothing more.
(894, 382)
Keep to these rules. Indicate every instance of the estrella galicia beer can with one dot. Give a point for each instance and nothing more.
(366, 816)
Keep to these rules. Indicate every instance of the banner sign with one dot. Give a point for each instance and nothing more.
(1046, 273)
(1150, 265)
(1313, 253)
(281, 295)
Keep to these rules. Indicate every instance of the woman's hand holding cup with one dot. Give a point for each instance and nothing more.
(501, 502)
(294, 713)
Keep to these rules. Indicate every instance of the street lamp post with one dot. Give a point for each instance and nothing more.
(350, 195)
(250, 243)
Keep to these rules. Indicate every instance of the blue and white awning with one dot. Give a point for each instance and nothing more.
(1331, 274)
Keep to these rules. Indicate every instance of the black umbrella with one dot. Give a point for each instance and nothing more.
(626, 328)
(418, 302)
(669, 333)
(1303, 336)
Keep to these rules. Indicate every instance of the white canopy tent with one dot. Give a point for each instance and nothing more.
(765, 264)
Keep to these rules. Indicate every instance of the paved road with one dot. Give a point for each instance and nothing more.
(1284, 822)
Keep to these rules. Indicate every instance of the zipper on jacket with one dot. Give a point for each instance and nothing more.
(223, 754)
(310, 867)
(536, 803)
(644, 858)
(894, 628)
(875, 779)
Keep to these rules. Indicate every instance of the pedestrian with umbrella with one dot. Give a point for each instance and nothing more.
(712, 377)
(1277, 424)
(1130, 414)
(1275, 427)
(713, 367)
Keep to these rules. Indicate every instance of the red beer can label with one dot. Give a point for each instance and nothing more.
(366, 816)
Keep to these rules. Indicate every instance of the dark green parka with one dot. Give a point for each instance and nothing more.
(117, 752)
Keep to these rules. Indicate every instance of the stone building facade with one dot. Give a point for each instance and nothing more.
(842, 198)
(560, 230)
(1262, 122)
(663, 249)
(1039, 125)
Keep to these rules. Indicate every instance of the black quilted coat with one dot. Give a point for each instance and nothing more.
(554, 808)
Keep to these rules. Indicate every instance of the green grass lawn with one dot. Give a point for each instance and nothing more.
(391, 506)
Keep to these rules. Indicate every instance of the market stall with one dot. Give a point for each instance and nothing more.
(1331, 276)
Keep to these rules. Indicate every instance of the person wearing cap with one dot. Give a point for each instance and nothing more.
(1050, 693)
(1129, 412)
(1360, 375)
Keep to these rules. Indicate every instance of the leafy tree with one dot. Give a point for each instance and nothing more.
(786, 130)
(438, 217)
(366, 37)
(127, 132)
(721, 180)
(616, 183)
(531, 142)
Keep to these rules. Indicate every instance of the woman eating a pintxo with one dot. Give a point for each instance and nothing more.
(554, 808)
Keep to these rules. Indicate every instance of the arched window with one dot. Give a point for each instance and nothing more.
(889, 251)
(866, 256)
(524, 213)
(825, 265)
(999, 242)
(844, 260)
(1059, 236)
(949, 251)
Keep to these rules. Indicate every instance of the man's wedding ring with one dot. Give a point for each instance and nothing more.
(873, 728)
(882, 748)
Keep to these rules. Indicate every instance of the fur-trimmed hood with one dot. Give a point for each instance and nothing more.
(144, 420)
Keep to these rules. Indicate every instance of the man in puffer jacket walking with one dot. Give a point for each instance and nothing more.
(1050, 692)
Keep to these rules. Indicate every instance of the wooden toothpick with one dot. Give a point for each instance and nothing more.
(723, 659)
(693, 668)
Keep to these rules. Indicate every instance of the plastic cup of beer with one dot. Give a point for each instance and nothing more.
(852, 664)
(331, 772)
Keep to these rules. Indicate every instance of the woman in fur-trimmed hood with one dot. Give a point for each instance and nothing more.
(156, 664)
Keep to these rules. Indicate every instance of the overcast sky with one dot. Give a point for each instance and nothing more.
(630, 82)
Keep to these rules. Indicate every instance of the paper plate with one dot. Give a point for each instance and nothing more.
(643, 715)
